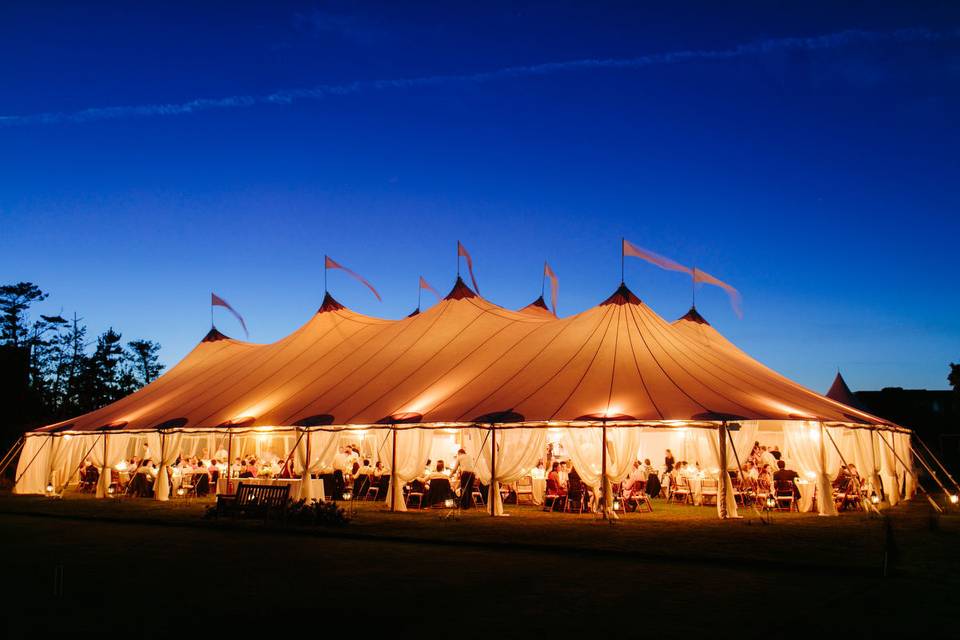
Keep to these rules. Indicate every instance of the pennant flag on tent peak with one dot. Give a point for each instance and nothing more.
(633, 251)
(554, 285)
(426, 285)
(330, 263)
(735, 299)
(217, 301)
(462, 251)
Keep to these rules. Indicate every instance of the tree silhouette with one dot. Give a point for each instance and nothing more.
(146, 362)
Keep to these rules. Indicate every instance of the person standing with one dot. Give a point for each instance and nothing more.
(464, 465)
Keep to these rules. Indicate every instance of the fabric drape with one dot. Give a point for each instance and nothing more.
(725, 487)
(107, 453)
(803, 445)
(413, 449)
(65, 458)
(904, 451)
(888, 468)
(34, 464)
(164, 449)
(316, 450)
(518, 450)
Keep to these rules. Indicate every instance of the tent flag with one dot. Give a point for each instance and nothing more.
(735, 299)
(554, 285)
(462, 251)
(426, 285)
(217, 301)
(632, 250)
(330, 263)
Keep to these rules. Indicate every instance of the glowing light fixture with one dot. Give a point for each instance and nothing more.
(49, 488)
(347, 495)
(874, 498)
(448, 503)
(954, 499)
(771, 502)
(181, 491)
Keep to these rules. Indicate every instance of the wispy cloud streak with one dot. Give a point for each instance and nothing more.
(815, 43)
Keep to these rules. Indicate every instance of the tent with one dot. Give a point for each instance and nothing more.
(473, 374)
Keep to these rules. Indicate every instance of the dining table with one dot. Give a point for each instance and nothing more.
(538, 489)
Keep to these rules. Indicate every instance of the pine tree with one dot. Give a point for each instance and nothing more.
(144, 356)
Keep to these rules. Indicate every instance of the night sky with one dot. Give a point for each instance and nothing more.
(806, 154)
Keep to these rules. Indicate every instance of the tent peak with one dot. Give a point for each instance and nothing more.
(329, 304)
(539, 302)
(460, 290)
(622, 295)
(694, 316)
(214, 335)
(415, 312)
(840, 392)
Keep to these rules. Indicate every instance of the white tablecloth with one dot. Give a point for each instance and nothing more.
(539, 489)
(318, 491)
(805, 503)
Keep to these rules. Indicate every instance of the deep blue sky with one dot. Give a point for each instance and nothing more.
(822, 181)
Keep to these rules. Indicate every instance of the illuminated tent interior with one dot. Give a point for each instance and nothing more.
(467, 372)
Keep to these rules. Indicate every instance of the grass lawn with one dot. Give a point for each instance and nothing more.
(152, 569)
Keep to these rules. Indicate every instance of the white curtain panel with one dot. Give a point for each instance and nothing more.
(518, 450)
(726, 487)
(315, 450)
(867, 460)
(164, 449)
(742, 440)
(108, 452)
(68, 452)
(808, 451)
(888, 467)
(413, 449)
(902, 446)
(583, 447)
(34, 464)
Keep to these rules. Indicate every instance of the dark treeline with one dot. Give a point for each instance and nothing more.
(51, 368)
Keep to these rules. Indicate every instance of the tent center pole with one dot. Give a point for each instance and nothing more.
(494, 488)
(229, 459)
(724, 476)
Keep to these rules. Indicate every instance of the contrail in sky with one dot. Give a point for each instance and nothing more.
(814, 43)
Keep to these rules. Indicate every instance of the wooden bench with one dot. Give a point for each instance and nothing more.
(255, 501)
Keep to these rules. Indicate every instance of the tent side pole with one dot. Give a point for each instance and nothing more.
(603, 470)
(393, 472)
(935, 459)
(724, 476)
(494, 488)
(48, 441)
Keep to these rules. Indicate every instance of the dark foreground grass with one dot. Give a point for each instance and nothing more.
(151, 569)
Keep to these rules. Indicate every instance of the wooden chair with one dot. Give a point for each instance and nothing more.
(709, 490)
(416, 491)
(524, 489)
(476, 494)
(785, 495)
(681, 492)
(576, 497)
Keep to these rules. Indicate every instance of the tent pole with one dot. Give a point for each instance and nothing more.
(393, 472)
(229, 458)
(724, 476)
(874, 471)
(494, 488)
(937, 460)
(933, 474)
(603, 470)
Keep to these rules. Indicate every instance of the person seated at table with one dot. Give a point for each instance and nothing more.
(439, 490)
(554, 486)
(287, 471)
(842, 479)
(775, 452)
(768, 458)
(248, 469)
(564, 475)
(539, 471)
(362, 478)
(784, 480)
(205, 457)
(635, 482)
(765, 478)
(427, 469)
(378, 470)
(214, 472)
